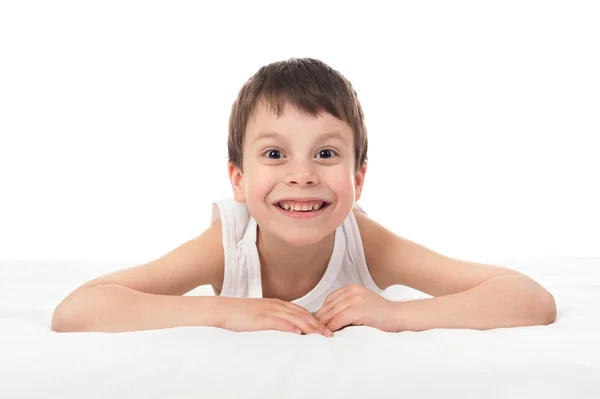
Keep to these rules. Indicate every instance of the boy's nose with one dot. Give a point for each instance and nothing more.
(301, 181)
(302, 176)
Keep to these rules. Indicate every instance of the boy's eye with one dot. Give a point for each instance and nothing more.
(273, 154)
(326, 153)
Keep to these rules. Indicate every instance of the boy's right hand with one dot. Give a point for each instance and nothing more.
(254, 314)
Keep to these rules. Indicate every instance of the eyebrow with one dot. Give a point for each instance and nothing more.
(323, 137)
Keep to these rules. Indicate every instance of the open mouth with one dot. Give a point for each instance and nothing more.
(303, 208)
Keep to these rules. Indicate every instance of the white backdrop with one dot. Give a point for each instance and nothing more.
(483, 119)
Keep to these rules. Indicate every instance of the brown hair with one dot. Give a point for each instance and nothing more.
(309, 84)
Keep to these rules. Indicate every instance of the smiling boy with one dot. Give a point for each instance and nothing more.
(293, 251)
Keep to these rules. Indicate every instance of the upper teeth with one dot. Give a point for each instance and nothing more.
(300, 206)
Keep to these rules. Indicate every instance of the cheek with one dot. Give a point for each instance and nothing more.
(258, 184)
(341, 181)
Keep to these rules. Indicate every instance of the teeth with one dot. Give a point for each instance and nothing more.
(296, 207)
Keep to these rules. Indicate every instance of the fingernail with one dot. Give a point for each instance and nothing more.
(328, 332)
(297, 331)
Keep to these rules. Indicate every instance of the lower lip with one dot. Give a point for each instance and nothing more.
(302, 215)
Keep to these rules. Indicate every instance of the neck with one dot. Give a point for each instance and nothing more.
(290, 271)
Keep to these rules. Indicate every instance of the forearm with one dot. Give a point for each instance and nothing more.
(113, 308)
(506, 301)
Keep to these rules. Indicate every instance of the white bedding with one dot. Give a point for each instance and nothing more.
(557, 361)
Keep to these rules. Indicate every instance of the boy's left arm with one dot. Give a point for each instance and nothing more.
(466, 294)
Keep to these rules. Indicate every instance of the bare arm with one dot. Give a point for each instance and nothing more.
(467, 294)
(114, 308)
(504, 301)
(148, 296)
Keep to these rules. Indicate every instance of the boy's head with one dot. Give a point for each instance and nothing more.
(297, 131)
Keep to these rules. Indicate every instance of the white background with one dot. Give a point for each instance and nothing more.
(483, 119)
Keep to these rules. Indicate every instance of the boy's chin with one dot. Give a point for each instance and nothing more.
(300, 237)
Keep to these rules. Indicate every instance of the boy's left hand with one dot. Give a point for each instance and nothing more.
(358, 306)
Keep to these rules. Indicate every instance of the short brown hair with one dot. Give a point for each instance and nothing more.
(310, 85)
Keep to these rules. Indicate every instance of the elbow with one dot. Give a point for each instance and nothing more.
(60, 321)
(547, 311)
(541, 310)
(537, 305)
(67, 317)
(63, 320)
(533, 304)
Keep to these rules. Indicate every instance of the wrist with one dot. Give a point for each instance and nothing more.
(209, 310)
(419, 314)
(399, 318)
(219, 311)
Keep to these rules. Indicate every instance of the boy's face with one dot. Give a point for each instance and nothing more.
(297, 156)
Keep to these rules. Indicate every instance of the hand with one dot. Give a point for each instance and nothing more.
(358, 306)
(253, 314)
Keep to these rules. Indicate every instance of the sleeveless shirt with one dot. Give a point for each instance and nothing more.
(242, 274)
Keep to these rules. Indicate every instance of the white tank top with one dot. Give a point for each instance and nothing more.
(242, 278)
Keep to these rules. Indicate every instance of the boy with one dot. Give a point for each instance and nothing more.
(292, 251)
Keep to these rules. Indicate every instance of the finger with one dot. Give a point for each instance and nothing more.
(341, 319)
(299, 321)
(279, 324)
(332, 312)
(307, 323)
(296, 307)
(320, 327)
(340, 297)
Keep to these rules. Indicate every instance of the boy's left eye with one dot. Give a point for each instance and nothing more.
(326, 153)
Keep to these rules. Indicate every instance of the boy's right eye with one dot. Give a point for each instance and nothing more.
(273, 154)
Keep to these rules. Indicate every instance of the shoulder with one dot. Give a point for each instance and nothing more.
(375, 239)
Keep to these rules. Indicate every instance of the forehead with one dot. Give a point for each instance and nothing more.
(293, 122)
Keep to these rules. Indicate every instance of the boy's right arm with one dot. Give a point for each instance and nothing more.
(149, 296)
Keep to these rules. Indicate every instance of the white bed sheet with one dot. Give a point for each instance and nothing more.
(561, 360)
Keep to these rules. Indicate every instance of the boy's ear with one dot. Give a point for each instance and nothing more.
(359, 180)
(236, 178)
